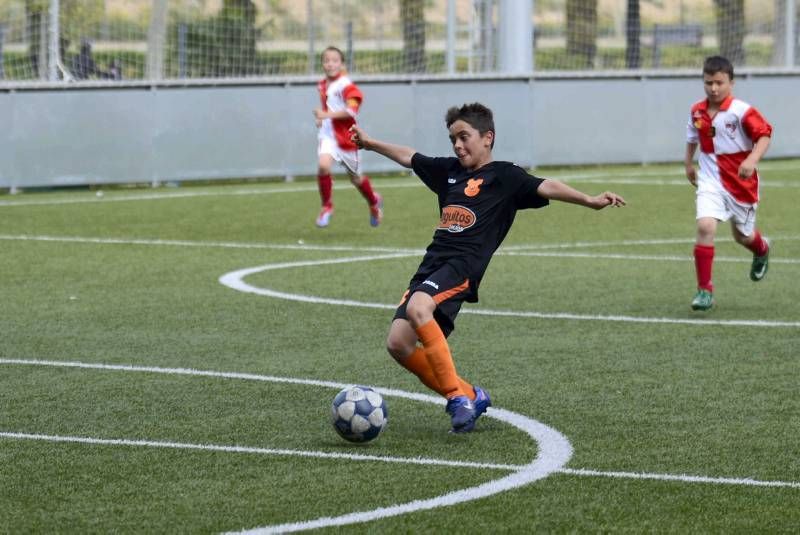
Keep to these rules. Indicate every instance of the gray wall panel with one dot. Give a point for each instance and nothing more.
(155, 133)
(590, 122)
(390, 113)
(64, 138)
(8, 159)
(778, 102)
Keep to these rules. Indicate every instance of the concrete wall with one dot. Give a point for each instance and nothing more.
(147, 133)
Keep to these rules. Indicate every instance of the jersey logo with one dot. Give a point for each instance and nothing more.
(730, 129)
(451, 180)
(456, 218)
(473, 187)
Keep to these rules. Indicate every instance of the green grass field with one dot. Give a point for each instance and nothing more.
(138, 393)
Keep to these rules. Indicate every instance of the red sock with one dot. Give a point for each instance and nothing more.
(703, 262)
(366, 190)
(325, 183)
(758, 245)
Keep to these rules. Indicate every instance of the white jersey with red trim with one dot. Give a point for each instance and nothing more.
(725, 141)
(337, 95)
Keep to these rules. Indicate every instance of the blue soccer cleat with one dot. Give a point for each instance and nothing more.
(462, 414)
(482, 401)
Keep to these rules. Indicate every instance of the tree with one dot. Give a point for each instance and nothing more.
(237, 22)
(582, 32)
(412, 13)
(223, 45)
(730, 29)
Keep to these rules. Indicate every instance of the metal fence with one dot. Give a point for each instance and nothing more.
(67, 41)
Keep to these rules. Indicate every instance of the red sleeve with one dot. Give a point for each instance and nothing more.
(755, 125)
(350, 93)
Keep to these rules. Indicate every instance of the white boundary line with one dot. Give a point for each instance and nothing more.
(518, 249)
(683, 478)
(261, 451)
(624, 178)
(91, 198)
(554, 450)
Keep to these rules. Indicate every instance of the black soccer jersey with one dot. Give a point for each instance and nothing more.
(476, 210)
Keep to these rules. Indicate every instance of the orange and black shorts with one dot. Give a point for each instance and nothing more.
(448, 287)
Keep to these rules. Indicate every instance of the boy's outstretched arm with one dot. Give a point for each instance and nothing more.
(558, 191)
(398, 153)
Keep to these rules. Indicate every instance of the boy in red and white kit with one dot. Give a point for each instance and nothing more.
(341, 99)
(733, 136)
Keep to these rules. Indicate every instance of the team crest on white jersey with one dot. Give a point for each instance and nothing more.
(730, 129)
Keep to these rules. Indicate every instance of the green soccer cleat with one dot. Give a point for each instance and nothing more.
(703, 300)
(758, 269)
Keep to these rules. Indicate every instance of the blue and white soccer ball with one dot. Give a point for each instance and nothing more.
(359, 414)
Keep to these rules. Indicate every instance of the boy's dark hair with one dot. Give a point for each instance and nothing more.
(715, 64)
(476, 115)
(332, 49)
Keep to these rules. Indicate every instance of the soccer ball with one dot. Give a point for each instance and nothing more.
(359, 414)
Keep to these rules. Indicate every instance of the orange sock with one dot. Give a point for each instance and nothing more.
(440, 360)
(417, 363)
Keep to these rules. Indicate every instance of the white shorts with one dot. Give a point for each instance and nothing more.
(715, 201)
(348, 158)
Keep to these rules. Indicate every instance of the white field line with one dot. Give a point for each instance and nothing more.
(113, 196)
(768, 184)
(235, 281)
(659, 258)
(624, 178)
(681, 478)
(625, 243)
(211, 244)
(260, 451)
(519, 249)
(554, 450)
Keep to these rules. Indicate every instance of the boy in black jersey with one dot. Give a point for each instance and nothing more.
(478, 199)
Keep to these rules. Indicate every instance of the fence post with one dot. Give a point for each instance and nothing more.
(791, 36)
(54, 35)
(351, 58)
(310, 25)
(2, 38)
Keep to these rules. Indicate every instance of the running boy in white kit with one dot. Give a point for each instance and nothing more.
(341, 99)
(733, 136)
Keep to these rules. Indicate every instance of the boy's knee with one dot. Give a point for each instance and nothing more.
(417, 315)
(420, 309)
(398, 349)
